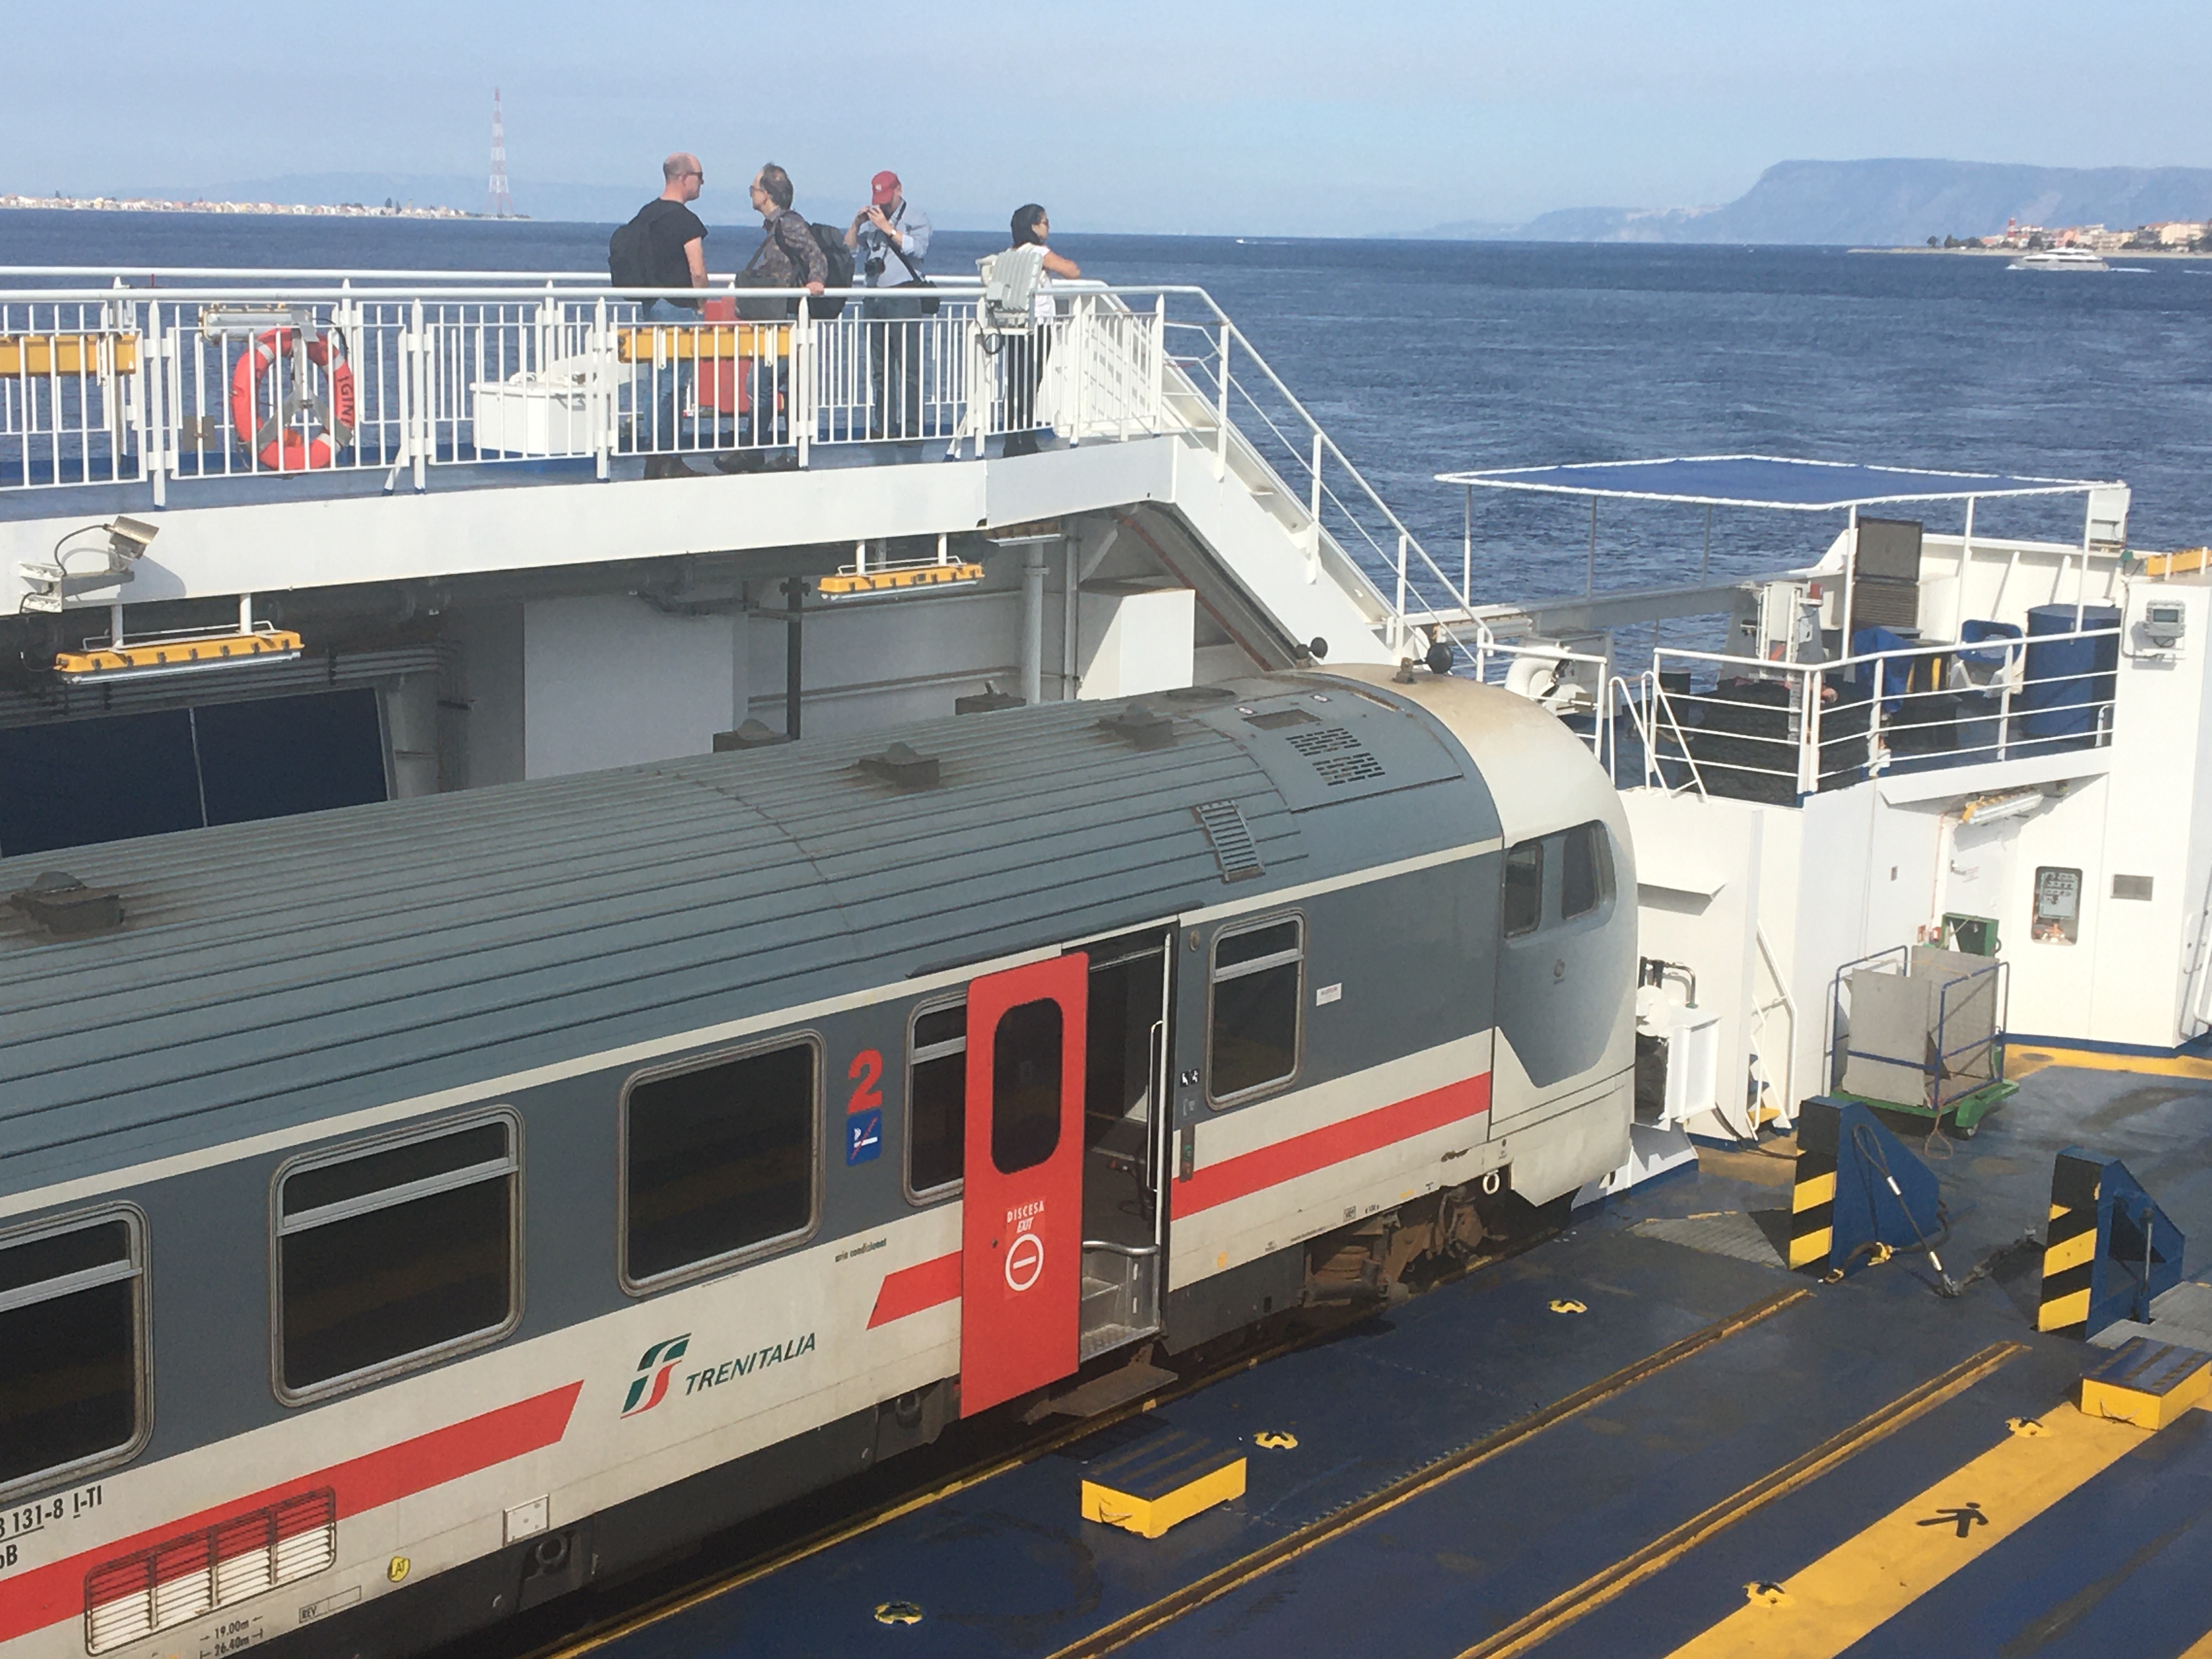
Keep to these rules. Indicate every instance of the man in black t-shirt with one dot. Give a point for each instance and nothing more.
(675, 256)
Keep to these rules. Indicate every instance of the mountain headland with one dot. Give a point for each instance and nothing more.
(1887, 203)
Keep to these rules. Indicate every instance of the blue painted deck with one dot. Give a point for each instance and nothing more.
(2123, 1566)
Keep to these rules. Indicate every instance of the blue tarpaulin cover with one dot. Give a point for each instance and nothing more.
(1766, 481)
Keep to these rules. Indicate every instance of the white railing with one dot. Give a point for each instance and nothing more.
(1222, 392)
(164, 388)
(225, 375)
(1750, 729)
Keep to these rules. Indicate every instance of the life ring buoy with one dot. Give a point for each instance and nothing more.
(279, 442)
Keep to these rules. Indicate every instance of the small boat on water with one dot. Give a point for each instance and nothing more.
(2059, 258)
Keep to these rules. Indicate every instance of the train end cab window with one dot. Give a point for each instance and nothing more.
(1254, 1005)
(720, 1162)
(937, 1102)
(1585, 871)
(395, 1254)
(1580, 860)
(1524, 889)
(73, 1395)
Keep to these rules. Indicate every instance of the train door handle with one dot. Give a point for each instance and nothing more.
(1558, 969)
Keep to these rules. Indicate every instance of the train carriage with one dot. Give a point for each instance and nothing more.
(413, 1212)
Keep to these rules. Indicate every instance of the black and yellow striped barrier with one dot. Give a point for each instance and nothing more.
(2108, 1250)
(1860, 1195)
(1813, 1193)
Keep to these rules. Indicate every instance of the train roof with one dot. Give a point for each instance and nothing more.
(279, 973)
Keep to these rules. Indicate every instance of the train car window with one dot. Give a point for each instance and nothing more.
(73, 1325)
(1585, 871)
(1025, 1079)
(395, 1254)
(1252, 1031)
(936, 1101)
(719, 1160)
(1524, 888)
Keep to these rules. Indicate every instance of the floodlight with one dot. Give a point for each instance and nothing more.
(128, 538)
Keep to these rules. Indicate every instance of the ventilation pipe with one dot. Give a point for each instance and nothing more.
(1033, 624)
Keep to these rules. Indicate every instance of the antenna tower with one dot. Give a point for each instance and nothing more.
(501, 202)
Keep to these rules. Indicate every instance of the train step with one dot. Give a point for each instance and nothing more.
(1117, 1387)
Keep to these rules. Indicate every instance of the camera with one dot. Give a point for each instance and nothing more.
(874, 267)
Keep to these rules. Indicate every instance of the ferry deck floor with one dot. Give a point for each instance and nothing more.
(1614, 1442)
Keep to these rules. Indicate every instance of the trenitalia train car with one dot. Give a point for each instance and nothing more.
(411, 1212)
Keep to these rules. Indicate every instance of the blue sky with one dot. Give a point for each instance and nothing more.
(1284, 118)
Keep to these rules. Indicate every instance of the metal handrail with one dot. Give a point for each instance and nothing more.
(425, 347)
(1894, 708)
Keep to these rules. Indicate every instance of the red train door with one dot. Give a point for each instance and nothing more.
(1021, 1192)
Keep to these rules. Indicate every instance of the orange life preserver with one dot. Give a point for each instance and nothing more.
(276, 440)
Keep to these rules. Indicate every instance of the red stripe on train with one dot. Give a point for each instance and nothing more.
(1300, 1155)
(908, 1291)
(38, 1596)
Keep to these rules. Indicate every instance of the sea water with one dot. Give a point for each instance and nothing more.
(1422, 357)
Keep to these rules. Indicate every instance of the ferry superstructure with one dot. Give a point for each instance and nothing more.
(484, 566)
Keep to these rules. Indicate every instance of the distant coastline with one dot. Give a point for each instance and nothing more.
(2129, 253)
(282, 209)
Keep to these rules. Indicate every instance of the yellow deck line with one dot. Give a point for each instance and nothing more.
(2200, 1649)
(1827, 1606)
(1533, 1629)
(2031, 1057)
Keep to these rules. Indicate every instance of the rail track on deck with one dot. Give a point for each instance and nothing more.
(967, 1456)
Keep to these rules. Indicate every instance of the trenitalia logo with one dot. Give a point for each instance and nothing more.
(650, 1386)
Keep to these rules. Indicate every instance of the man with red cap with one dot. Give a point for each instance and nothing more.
(890, 239)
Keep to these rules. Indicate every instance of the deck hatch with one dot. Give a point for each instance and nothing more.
(1234, 847)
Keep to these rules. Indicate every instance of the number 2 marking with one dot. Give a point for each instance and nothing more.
(866, 1071)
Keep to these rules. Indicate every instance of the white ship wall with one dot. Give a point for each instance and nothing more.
(609, 681)
(1860, 870)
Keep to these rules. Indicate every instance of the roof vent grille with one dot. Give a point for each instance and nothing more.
(1337, 755)
(1354, 768)
(66, 908)
(1146, 727)
(1234, 849)
(1327, 741)
(902, 766)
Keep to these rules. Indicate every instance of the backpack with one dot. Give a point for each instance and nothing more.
(629, 250)
(839, 259)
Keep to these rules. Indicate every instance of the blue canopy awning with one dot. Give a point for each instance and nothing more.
(1766, 481)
